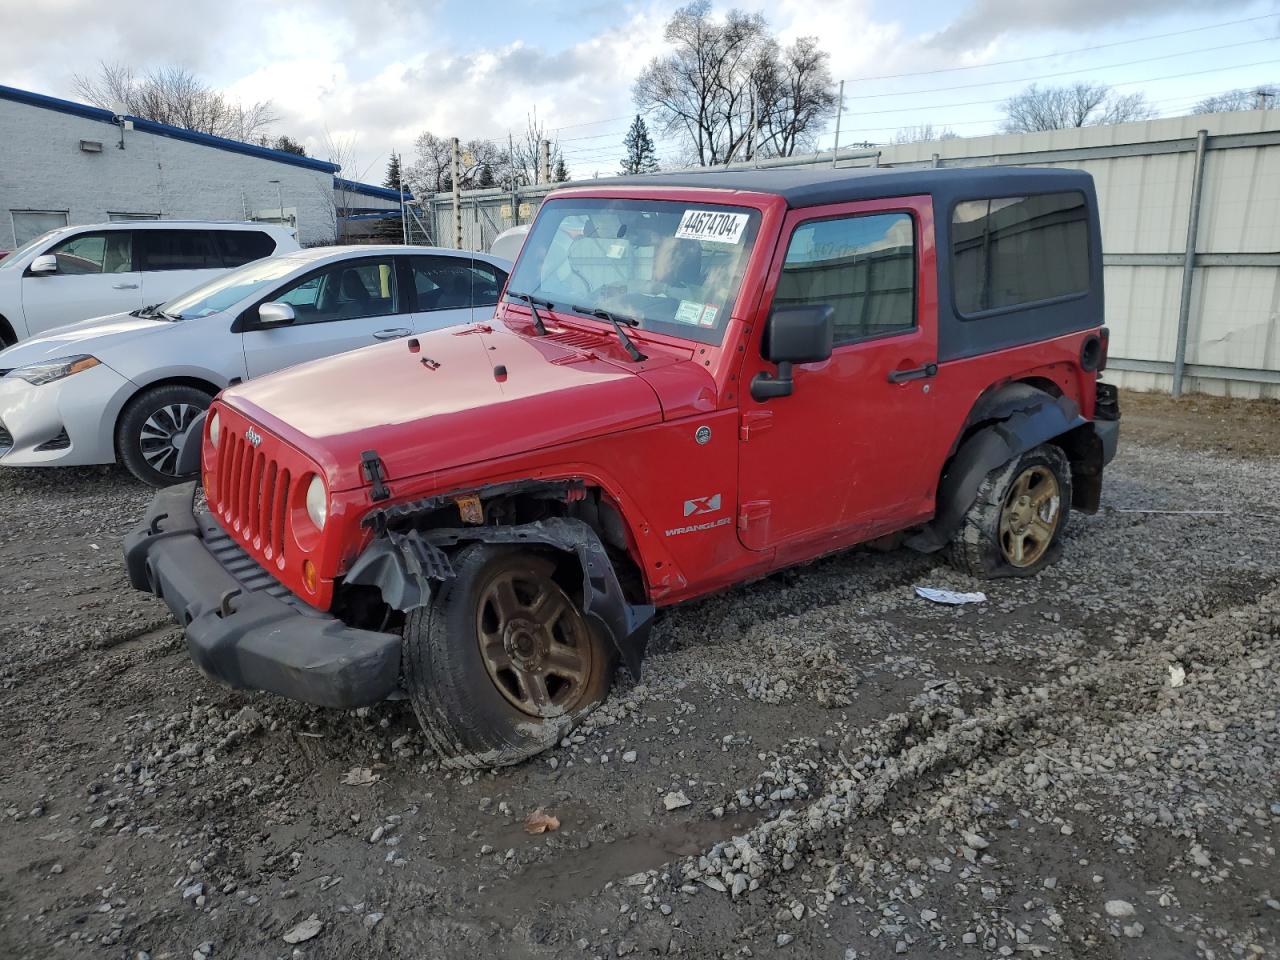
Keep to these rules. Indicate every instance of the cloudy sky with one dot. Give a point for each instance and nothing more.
(373, 74)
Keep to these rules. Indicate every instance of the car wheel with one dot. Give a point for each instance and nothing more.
(1017, 519)
(152, 429)
(502, 663)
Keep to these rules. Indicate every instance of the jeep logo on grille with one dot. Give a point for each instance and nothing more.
(253, 436)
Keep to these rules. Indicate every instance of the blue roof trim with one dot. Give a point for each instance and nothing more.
(164, 130)
(369, 190)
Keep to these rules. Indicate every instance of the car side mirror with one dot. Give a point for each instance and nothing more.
(793, 334)
(45, 263)
(276, 315)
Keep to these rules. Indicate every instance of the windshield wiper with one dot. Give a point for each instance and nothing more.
(146, 312)
(617, 319)
(533, 308)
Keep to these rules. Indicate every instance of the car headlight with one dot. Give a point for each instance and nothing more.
(317, 502)
(50, 370)
(215, 429)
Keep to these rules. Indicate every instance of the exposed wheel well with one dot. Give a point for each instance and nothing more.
(7, 335)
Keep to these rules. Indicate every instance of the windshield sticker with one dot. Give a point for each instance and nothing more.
(708, 316)
(689, 312)
(711, 226)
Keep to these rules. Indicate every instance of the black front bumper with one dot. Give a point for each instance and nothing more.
(244, 628)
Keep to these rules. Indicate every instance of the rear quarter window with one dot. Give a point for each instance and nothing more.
(244, 246)
(1008, 252)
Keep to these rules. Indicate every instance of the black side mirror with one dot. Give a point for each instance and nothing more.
(792, 334)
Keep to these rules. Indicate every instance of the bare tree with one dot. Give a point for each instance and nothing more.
(1246, 98)
(923, 132)
(175, 96)
(795, 95)
(1075, 105)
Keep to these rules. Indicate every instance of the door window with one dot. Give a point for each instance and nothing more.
(344, 291)
(244, 246)
(455, 283)
(178, 250)
(110, 252)
(863, 266)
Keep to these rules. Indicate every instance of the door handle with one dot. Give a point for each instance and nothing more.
(916, 373)
(392, 333)
(124, 286)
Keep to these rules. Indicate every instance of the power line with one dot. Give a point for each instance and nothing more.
(1065, 73)
(1062, 53)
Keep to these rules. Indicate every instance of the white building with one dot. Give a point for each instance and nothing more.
(67, 163)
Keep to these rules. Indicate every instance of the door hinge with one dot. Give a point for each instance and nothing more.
(374, 471)
(754, 511)
(754, 422)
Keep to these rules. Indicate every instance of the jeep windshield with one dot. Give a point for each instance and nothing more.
(673, 267)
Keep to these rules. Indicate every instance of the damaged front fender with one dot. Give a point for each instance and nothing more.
(403, 565)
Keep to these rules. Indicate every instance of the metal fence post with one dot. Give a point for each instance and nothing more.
(1189, 264)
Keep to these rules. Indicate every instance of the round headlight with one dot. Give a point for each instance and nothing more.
(215, 429)
(317, 502)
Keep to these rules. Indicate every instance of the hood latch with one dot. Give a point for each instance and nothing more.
(376, 474)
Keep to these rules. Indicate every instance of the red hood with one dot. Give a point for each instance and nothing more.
(444, 406)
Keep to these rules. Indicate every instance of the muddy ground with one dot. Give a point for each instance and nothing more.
(1086, 765)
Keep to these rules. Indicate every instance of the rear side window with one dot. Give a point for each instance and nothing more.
(244, 246)
(1009, 251)
(863, 266)
(178, 250)
(450, 283)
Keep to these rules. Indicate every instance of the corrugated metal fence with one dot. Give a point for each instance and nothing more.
(1206, 278)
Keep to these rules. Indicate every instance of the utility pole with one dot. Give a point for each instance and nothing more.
(404, 219)
(457, 194)
(544, 161)
(1264, 98)
(835, 148)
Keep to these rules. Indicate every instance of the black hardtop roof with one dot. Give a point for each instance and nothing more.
(813, 187)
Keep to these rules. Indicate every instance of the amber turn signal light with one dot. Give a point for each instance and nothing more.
(309, 575)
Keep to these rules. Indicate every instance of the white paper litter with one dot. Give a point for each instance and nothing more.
(1177, 675)
(950, 596)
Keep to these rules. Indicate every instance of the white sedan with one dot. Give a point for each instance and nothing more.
(127, 387)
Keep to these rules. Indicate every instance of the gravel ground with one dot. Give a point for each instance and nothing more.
(820, 764)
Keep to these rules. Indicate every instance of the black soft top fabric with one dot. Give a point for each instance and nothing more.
(958, 336)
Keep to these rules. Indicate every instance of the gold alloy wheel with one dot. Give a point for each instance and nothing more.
(1030, 516)
(535, 643)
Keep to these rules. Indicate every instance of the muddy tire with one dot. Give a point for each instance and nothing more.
(152, 428)
(1017, 518)
(501, 663)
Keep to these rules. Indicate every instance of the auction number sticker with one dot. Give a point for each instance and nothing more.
(712, 226)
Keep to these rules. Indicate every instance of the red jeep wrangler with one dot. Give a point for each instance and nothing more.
(693, 380)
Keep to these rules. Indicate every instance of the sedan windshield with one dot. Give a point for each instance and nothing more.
(229, 289)
(670, 266)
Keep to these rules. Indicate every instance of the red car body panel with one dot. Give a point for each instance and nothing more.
(714, 487)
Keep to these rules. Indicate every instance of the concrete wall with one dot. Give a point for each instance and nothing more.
(42, 167)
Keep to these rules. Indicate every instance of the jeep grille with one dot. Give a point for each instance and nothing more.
(251, 495)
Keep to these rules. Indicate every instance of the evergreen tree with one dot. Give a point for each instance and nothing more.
(287, 144)
(561, 173)
(392, 179)
(642, 156)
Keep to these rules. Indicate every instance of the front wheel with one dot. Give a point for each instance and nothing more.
(1016, 521)
(153, 429)
(501, 663)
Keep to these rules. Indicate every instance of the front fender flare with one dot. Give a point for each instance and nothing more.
(1036, 417)
(403, 565)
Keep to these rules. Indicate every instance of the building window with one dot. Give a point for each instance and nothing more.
(863, 266)
(29, 224)
(125, 217)
(1009, 251)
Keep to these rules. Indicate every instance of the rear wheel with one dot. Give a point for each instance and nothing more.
(153, 429)
(1017, 518)
(502, 663)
